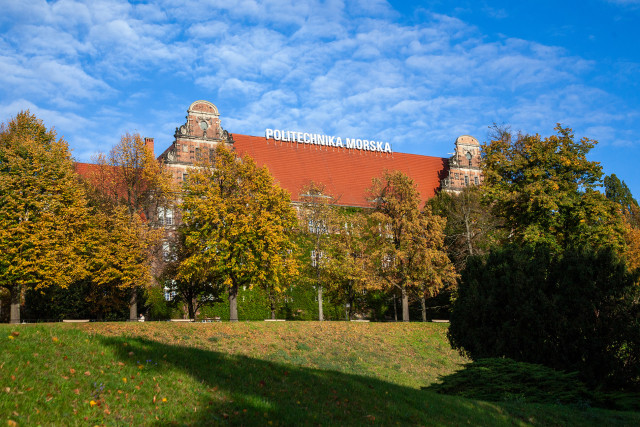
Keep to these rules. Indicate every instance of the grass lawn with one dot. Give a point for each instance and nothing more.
(249, 373)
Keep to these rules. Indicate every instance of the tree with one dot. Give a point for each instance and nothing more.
(316, 217)
(575, 310)
(471, 228)
(617, 191)
(406, 245)
(43, 212)
(118, 256)
(195, 288)
(130, 176)
(346, 259)
(544, 189)
(238, 226)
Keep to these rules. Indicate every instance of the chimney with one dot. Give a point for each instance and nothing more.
(148, 142)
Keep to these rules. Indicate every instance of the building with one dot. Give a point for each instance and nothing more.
(345, 166)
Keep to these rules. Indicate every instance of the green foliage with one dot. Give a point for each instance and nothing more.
(471, 228)
(617, 191)
(545, 191)
(506, 380)
(157, 308)
(576, 311)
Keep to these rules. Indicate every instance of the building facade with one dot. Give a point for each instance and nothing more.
(295, 159)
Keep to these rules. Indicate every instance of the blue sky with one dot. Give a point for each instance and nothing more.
(414, 73)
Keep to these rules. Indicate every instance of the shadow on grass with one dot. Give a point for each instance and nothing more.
(246, 391)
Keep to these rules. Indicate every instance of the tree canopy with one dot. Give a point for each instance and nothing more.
(545, 190)
(130, 177)
(237, 225)
(43, 212)
(406, 245)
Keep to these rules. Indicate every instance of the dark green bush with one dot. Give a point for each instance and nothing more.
(577, 311)
(507, 380)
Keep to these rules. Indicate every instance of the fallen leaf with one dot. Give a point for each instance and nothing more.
(87, 373)
(15, 333)
(54, 339)
(72, 371)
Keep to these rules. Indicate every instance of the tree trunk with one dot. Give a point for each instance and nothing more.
(468, 233)
(320, 314)
(405, 304)
(423, 303)
(133, 305)
(192, 312)
(273, 310)
(15, 304)
(395, 308)
(233, 303)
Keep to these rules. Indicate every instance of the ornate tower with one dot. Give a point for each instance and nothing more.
(196, 139)
(464, 165)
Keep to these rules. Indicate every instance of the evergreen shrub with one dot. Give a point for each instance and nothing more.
(576, 311)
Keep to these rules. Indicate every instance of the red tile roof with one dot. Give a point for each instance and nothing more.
(346, 173)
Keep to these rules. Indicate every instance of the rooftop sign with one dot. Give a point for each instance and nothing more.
(326, 140)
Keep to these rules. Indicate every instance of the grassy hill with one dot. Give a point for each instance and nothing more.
(250, 373)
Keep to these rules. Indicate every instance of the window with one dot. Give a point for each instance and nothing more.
(468, 155)
(317, 226)
(387, 261)
(169, 293)
(475, 179)
(165, 216)
(466, 180)
(316, 256)
(457, 176)
(185, 176)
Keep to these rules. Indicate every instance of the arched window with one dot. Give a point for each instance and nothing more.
(468, 155)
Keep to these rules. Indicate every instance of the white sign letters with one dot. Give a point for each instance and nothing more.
(331, 141)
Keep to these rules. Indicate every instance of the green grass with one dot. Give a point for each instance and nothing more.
(255, 373)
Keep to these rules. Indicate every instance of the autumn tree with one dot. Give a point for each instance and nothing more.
(316, 216)
(194, 287)
(545, 190)
(346, 260)
(131, 177)
(117, 253)
(406, 244)
(43, 212)
(618, 192)
(237, 225)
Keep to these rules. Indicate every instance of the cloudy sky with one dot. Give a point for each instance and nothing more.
(414, 73)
